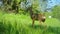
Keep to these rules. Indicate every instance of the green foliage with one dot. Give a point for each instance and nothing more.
(35, 6)
(17, 7)
(19, 24)
(56, 12)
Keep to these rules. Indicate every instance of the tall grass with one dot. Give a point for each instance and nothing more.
(22, 24)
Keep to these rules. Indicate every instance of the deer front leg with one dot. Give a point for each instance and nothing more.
(33, 22)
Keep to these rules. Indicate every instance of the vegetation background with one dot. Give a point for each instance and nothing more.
(15, 19)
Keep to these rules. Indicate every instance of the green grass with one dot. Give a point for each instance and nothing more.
(22, 24)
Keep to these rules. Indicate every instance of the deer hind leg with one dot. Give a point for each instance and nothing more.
(40, 22)
(44, 22)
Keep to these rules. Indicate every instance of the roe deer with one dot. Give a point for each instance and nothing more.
(40, 17)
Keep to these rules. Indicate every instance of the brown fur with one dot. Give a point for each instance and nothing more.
(40, 17)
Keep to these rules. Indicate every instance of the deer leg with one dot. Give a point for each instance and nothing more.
(45, 25)
(33, 22)
(40, 22)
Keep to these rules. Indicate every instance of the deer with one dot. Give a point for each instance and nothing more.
(35, 16)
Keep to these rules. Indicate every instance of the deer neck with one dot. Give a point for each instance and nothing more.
(31, 12)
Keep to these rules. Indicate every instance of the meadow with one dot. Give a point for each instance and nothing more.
(22, 24)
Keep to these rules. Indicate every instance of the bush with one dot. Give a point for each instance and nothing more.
(56, 12)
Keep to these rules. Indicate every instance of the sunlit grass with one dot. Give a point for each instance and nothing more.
(22, 24)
